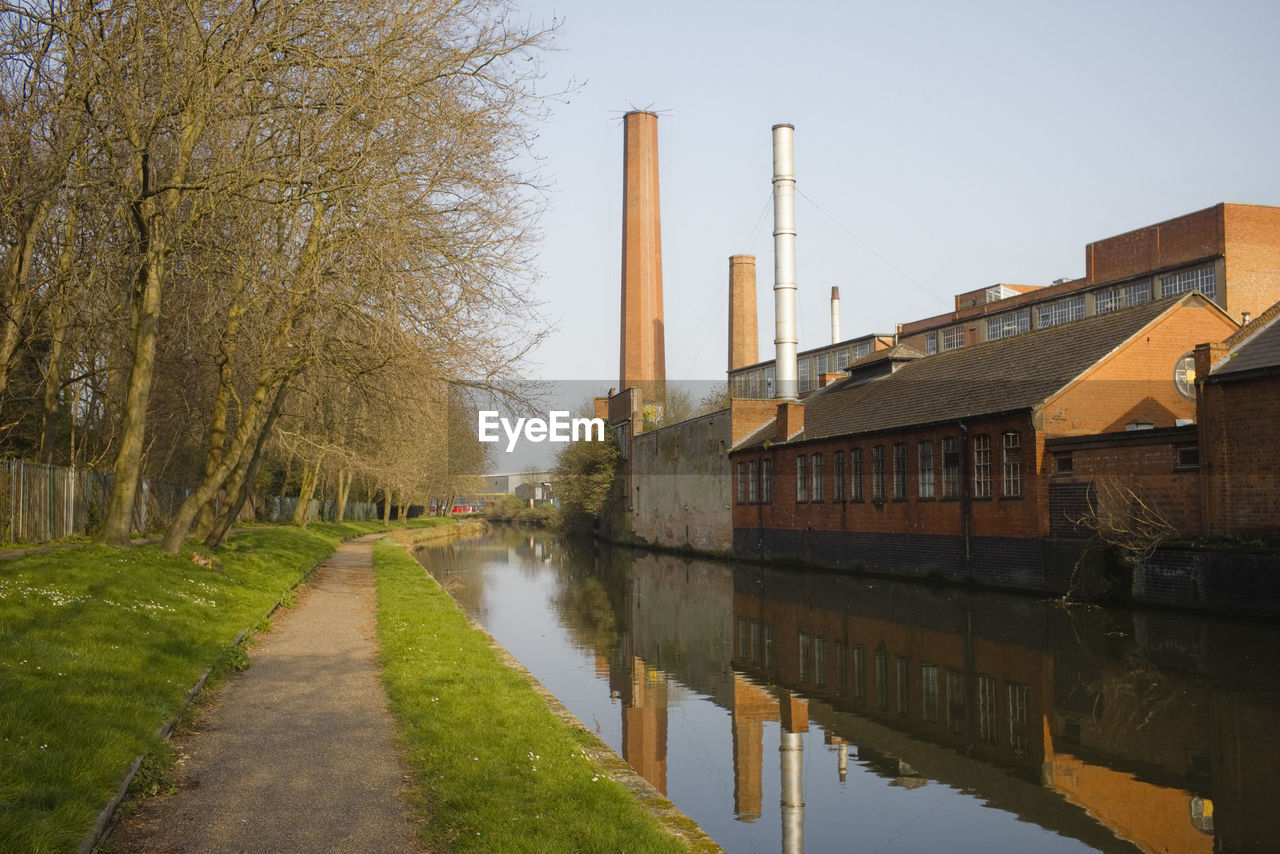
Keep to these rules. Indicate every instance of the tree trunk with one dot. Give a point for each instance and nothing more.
(344, 489)
(118, 524)
(240, 484)
(310, 479)
(386, 507)
(213, 480)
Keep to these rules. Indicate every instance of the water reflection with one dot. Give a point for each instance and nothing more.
(901, 716)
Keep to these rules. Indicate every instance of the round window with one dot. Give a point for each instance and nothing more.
(1184, 376)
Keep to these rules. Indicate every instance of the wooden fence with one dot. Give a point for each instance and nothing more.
(39, 503)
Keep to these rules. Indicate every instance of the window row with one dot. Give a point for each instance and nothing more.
(887, 681)
(935, 472)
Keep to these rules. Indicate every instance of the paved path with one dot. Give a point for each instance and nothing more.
(297, 753)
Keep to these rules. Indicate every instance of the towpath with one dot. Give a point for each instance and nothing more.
(297, 753)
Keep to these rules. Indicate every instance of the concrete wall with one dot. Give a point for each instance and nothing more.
(680, 485)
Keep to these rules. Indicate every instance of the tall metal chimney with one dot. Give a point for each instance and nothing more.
(642, 348)
(744, 347)
(835, 314)
(784, 261)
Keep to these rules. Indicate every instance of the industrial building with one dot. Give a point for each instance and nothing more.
(993, 443)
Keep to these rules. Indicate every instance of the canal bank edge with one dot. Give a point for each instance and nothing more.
(668, 816)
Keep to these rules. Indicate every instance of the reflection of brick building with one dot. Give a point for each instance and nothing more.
(950, 693)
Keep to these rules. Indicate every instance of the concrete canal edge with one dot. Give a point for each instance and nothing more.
(669, 816)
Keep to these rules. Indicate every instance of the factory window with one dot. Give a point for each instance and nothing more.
(802, 374)
(955, 701)
(953, 338)
(924, 466)
(951, 467)
(931, 343)
(1012, 463)
(753, 384)
(929, 692)
(753, 482)
(820, 660)
(741, 387)
(855, 475)
(1122, 296)
(816, 492)
(842, 358)
(877, 473)
(766, 481)
(770, 382)
(987, 709)
(1200, 279)
(982, 466)
(742, 483)
(802, 479)
(882, 678)
(862, 350)
(1007, 325)
(1019, 741)
(900, 471)
(802, 644)
(823, 361)
(859, 667)
(1062, 311)
(904, 686)
(837, 480)
(842, 667)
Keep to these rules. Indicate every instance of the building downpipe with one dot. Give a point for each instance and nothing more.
(784, 262)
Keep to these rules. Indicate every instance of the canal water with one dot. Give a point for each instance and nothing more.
(796, 711)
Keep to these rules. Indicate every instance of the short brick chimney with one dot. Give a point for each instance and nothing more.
(790, 420)
(1206, 356)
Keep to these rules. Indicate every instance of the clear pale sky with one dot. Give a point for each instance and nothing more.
(940, 147)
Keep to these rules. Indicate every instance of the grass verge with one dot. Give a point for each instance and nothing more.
(98, 648)
(495, 769)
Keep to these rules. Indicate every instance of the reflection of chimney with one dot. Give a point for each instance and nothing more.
(643, 355)
(743, 347)
(784, 261)
(835, 315)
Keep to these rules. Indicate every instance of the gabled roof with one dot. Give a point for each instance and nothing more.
(1258, 351)
(1006, 375)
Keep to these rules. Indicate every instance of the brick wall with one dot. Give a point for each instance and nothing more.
(999, 514)
(1240, 456)
(1136, 382)
(1253, 259)
(1167, 244)
(1144, 464)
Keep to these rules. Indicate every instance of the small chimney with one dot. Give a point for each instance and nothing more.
(790, 420)
(835, 315)
(784, 262)
(744, 347)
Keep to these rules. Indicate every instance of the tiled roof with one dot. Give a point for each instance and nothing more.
(762, 435)
(1005, 375)
(1260, 350)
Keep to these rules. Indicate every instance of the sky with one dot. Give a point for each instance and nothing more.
(940, 147)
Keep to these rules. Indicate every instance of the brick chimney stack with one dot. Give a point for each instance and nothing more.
(744, 348)
(642, 345)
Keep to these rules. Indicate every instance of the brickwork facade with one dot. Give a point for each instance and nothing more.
(1240, 452)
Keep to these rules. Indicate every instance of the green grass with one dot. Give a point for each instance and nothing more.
(495, 769)
(98, 648)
